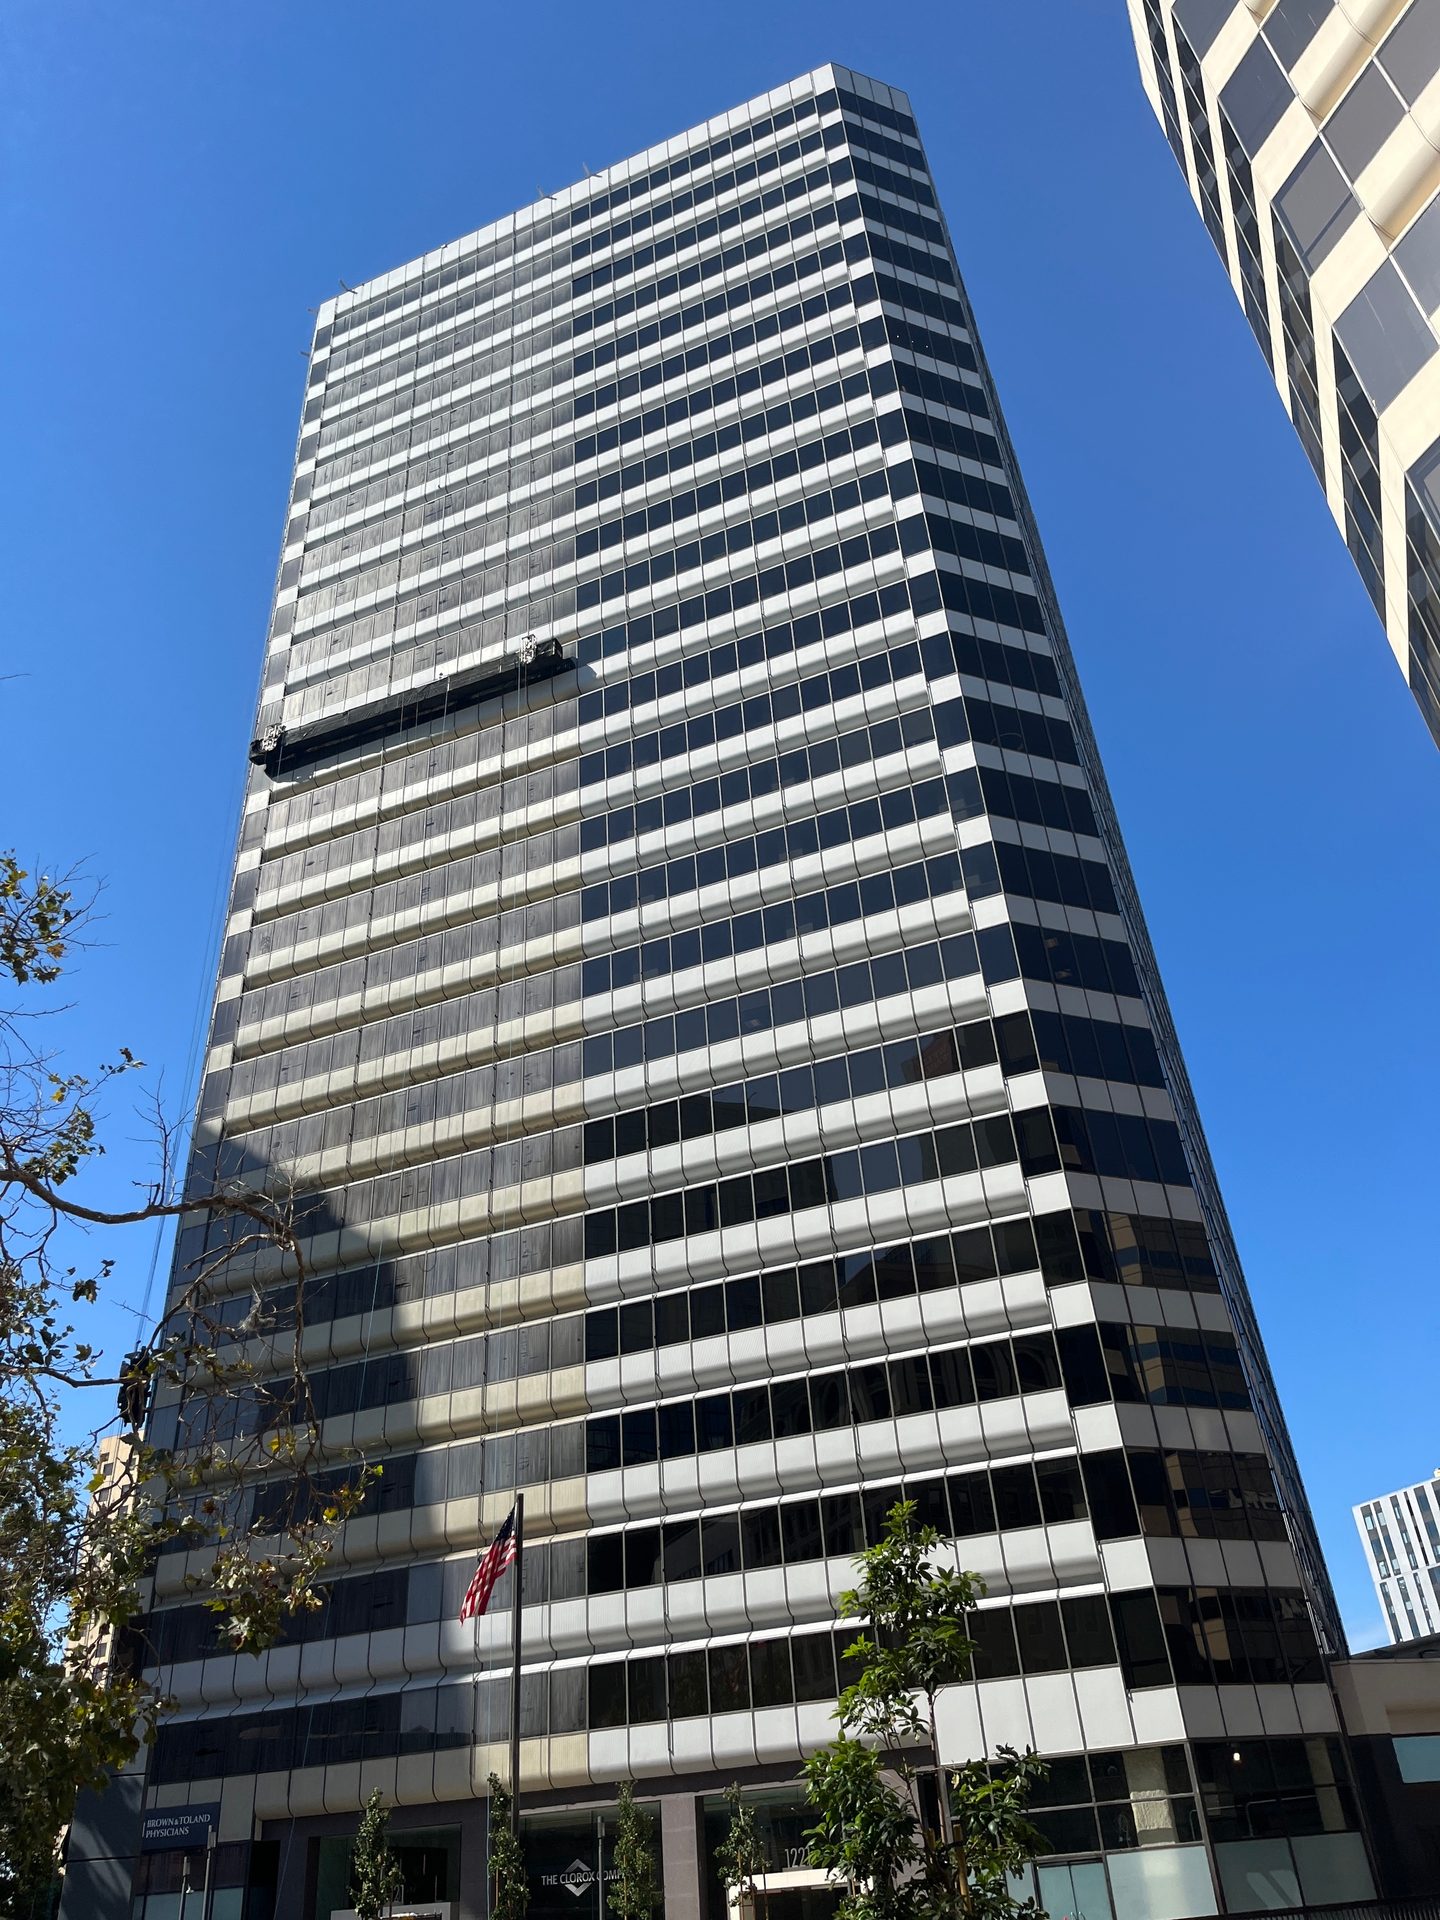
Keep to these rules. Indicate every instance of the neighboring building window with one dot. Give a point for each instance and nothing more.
(1364, 121)
(1371, 1541)
(1316, 206)
(1418, 257)
(1403, 1521)
(1299, 337)
(1247, 238)
(1385, 338)
(1422, 538)
(1164, 80)
(1404, 1592)
(1360, 476)
(1255, 97)
(1206, 178)
(1202, 20)
(1391, 1621)
(1411, 56)
(1293, 24)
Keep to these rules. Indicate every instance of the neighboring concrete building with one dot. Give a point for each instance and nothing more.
(1390, 1704)
(1401, 1532)
(1308, 132)
(91, 1653)
(681, 939)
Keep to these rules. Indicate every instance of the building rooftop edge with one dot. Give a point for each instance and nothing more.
(800, 87)
(1390, 1492)
(1425, 1646)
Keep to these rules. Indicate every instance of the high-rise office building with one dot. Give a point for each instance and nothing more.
(1306, 133)
(1401, 1532)
(682, 949)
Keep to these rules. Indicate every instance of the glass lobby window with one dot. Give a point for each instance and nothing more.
(1075, 1891)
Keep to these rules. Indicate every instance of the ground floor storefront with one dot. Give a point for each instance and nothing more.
(1159, 1833)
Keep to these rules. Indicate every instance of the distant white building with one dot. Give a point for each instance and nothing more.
(1401, 1532)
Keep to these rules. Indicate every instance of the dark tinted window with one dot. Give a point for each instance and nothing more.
(1141, 1639)
(689, 1693)
(729, 1680)
(607, 1694)
(1042, 1644)
(1087, 1631)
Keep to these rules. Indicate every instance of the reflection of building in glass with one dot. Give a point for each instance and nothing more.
(681, 940)
(1305, 130)
(1401, 1532)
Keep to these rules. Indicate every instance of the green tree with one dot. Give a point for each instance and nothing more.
(631, 1894)
(509, 1882)
(909, 1842)
(740, 1856)
(77, 1544)
(376, 1882)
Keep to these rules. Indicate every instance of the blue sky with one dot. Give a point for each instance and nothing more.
(182, 182)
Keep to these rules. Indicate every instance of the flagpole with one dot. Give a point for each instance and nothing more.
(515, 1668)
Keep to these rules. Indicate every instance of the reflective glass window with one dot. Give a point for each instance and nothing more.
(1411, 55)
(1363, 121)
(1293, 24)
(1418, 257)
(1384, 336)
(1255, 96)
(1202, 20)
(1315, 205)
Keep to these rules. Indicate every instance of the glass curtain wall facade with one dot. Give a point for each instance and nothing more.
(1401, 1533)
(1306, 132)
(682, 950)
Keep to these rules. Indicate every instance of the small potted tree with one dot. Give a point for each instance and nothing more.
(631, 1892)
(509, 1882)
(740, 1856)
(376, 1882)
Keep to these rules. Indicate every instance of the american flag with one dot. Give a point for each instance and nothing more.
(493, 1562)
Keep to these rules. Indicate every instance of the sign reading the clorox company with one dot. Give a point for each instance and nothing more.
(577, 1878)
(178, 1829)
(571, 1863)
